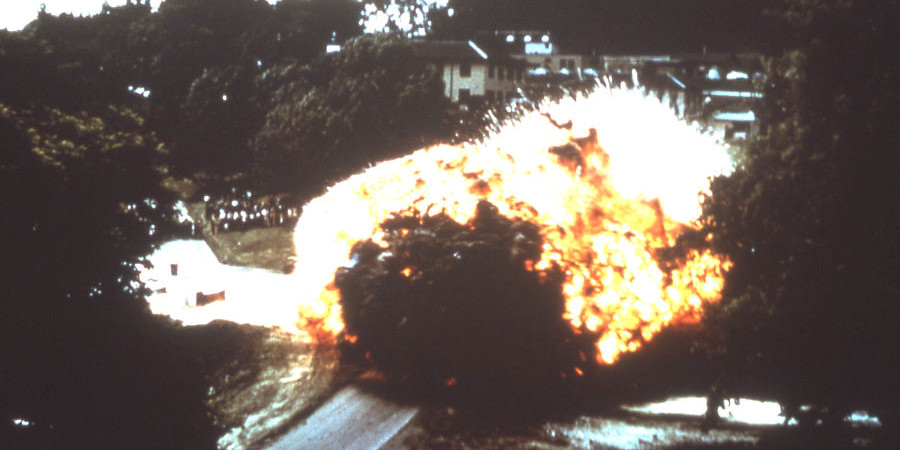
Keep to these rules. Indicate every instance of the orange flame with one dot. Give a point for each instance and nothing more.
(609, 189)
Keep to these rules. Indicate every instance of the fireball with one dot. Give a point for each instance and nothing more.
(609, 179)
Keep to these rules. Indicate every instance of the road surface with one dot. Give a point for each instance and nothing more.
(352, 419)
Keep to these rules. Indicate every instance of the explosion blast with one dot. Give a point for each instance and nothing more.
(607, 179)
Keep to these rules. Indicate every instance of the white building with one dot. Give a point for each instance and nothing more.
(537, 49)
(470, 74)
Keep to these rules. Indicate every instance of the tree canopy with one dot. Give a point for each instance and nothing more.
(621, 26)
(369, 102)
(810, 220)
(81, 200)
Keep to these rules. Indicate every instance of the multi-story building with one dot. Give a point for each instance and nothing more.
(537, 49)
(470, 74)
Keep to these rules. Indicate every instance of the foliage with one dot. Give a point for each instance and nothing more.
(219, 116)
(189, 57)
(448, 301)
(406, 17)
(37, 69)
(619, 26)
(80, 198)
(370, 101)
(70, 178)
(303, 27)
(810, 221)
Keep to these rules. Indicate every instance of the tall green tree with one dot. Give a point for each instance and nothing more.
(83, 197)
(199, 60)
(82, 201)
(371, 101)
(303, 27)
(810, 220)
(83, 361)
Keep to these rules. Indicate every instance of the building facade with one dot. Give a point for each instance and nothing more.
(471, 76)
(537, 50)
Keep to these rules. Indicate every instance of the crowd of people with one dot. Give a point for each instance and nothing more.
(240, 211)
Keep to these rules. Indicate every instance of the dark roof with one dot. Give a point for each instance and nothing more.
(448, 51)
(461, 51)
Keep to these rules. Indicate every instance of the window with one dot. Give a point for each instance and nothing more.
(465, 69)
(464, 95)
(489, 95)
(518, 74)
(501, 73)
(491, 68)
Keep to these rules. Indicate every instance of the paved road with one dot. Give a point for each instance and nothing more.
(352, 419)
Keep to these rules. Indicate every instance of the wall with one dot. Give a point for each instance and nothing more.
(552, 62)
(508, 86)
(453, 82)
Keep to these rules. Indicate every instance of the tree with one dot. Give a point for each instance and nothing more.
(372, 100)
(81, 200)
(446, 304)
(196, 61)
(615, 26)
(405, 17)
(83, 188)
(303, 27)
(811, 304)
(199, 60)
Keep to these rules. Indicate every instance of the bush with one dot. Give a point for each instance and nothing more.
(454, 304)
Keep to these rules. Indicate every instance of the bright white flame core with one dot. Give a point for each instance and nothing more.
(614, 287)
(252, 296)
(652, 155)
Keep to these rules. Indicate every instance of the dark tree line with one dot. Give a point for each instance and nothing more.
(623, 26)
(197, 59)
(371, 101)
(810, 219)
(222, 76)
(80, 197)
